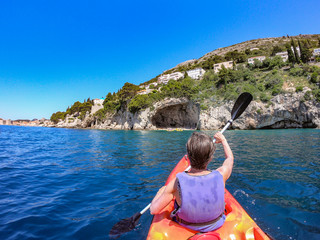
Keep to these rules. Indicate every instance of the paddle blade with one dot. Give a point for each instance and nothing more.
(240, 105)
(125, 225)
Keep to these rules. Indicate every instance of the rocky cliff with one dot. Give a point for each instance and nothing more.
(288, 110)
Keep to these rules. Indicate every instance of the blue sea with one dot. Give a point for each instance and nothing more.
(76, 184)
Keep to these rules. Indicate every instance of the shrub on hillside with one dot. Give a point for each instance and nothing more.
(56, 116)
(273, 82)
(256, 63)
(80, 108)
(100, 114)
(296, 71)
(237, 57)
(139, 102)
(299, 89)
(271, 63)
(314, 77)
(176, 89)
(112, 106)
(264, 97)
(316, 94)
(307, 96)
(128, 91)
(152, 86)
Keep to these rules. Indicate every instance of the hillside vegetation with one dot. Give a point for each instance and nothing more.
(262, 79)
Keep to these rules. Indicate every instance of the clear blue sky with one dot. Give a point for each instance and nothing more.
(53, 53)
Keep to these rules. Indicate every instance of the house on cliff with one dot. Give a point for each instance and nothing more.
(283, 55)
(196, 73)
(218, 66)
(172, 76)
(316, 52)
(259, 58)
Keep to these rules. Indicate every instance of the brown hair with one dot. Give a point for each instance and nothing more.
(200, 150)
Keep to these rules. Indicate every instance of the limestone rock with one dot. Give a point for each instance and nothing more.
(283, 111)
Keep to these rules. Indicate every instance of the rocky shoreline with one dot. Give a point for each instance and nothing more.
(288, 110)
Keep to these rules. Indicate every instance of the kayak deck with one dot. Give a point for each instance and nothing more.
(238, 224)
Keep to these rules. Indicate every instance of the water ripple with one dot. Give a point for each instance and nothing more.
(75, 184)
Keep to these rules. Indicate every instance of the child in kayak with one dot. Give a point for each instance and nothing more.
(198, 193)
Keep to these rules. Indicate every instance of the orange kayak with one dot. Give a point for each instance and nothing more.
(238, 224)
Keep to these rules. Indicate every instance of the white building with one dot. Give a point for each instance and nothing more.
(283, 55)
(97, 105)
(218, 66)
(174, 76)
(260, 58)
(316, 52)
(252, 49)
(196, 73)
(164, 78)
(98, 101)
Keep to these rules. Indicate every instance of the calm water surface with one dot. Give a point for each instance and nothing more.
(76, 184)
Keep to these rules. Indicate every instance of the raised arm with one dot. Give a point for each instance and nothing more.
(226, 168)
(163, 197)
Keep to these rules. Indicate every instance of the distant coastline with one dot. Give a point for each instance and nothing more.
(26, 122)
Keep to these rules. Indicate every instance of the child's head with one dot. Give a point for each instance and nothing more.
(200, 150)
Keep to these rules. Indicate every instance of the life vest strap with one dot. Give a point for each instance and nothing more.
(180, 220)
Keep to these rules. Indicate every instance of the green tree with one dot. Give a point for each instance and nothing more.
(208, 63)
(209, 80)
(151, 86)
(85, 107)
(217, 59)
(139, 102)
(291, 57)
(238, 57)
(224, 77)
(273, 82)
(108, 98)
(55, 117)
(76, 107)
(314, 77)
(257, 63)
(247, 51)
(276, 49)
(128, 91)
(271, 63)
(296, 54)
(304, 51)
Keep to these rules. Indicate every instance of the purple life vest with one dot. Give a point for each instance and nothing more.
(202, 200)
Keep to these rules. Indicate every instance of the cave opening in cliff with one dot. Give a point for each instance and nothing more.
(177, 116)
